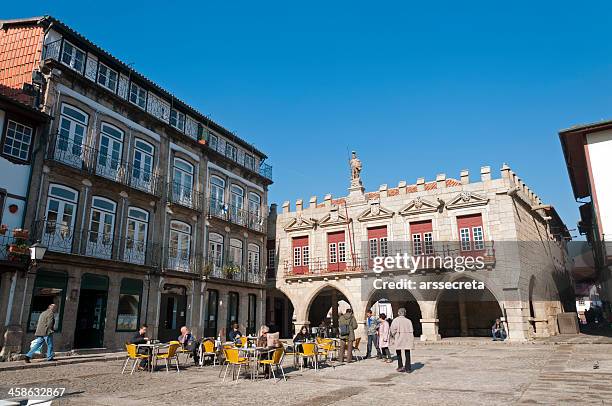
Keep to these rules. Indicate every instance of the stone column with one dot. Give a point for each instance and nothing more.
(429, 322)
(334, 301)
(516, 322)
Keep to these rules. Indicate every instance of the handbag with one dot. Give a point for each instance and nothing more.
(344, 330)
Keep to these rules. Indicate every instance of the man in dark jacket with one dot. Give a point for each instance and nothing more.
(347, 324)
(141, 338)
(44, 333)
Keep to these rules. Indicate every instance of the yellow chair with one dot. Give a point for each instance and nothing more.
(207, 349)
(308, 351)
(132, 355)
(232, 358)
(243, 340)
(275, 362)
(170, 355)
(327, 349)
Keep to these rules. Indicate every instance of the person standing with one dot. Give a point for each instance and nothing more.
(402, 336)
(44, 333)
(372, 328)
(383, 338)
(347, 324)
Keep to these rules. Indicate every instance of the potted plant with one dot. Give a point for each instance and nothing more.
(3, 229)
(230, 270)
(18, 251)
(207, 269)
(21, 234)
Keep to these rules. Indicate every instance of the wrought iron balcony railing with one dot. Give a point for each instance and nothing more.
(14, 245)
(60, 237)
(246, 218)
(91, 160)
(52, 50)
(264, 169)
(185, 196)
(216, 269)
(437, 258)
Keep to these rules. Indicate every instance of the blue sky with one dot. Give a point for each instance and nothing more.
(416, 89)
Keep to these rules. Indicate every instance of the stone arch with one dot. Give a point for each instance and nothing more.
(321, 299)
(280, 313)
(467, 312)
(398, 298)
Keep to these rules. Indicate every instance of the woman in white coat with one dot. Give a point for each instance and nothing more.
(402, 339)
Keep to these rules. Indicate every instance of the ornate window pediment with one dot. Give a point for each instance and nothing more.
(300, 223)
(467, 199)
(333, 218)
(375, 212)
(418, 206)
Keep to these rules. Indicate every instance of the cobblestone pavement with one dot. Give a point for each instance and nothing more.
(448, 374)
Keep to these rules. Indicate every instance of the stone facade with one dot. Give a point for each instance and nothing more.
(121, 195)
(522, 240)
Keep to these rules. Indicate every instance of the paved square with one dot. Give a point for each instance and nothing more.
(455, 374)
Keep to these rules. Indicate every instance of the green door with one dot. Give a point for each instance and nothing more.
(91, 313)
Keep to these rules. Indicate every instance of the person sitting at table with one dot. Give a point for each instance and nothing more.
(235, 334)
(302, 336)
(262, 339)
(141, 338)
(189, 342)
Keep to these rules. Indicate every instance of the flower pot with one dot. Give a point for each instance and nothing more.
(21, 234)
(17, 250)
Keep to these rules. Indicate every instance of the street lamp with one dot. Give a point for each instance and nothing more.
(37, 252)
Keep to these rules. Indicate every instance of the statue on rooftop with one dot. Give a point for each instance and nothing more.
(355, 169)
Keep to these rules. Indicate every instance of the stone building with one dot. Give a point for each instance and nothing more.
(325, 254)
(152, 212)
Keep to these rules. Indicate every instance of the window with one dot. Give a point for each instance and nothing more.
(237, 204)
(128, 310)
(177, 120)
(252, 315)
(107, 77)
(183, 182)
(136, 236)
(213, 141)
(138, 95)
(253, 258)
(217, 191)
(271, 258)
(71, 133)
(179, 247)
(235, 252)
(422, 237)
(249, 161)
(60, 217)
(231, 151)
(301, 254)
(333, 253)
(73, 57)
(142, 166)
(101, 228)
(384, 247)
(377, 242)
(215, 250)
(471, 234)
(110, 151)
(342, 251)
(17, 140)
(49, 287)
(254, 204)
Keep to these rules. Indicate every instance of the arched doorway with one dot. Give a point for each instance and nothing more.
(326, 306)
(389, 301)
(467, 312)
(280, 313)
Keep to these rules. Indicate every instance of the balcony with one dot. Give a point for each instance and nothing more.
(433, 260)
(182, 261)
(245, 218)
(264, 169)
(93, 161)
(185, 196)
(215, 269)
(14, 246)
(61, 238)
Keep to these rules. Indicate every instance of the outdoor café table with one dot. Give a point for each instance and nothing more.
(152, 349)
(253, 354)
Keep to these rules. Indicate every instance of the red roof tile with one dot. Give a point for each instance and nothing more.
(20, 52)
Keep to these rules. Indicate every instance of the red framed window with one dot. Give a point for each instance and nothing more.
(301, 255)
(471, 233)
(336, 251)
(377, 242)
(421, 236)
